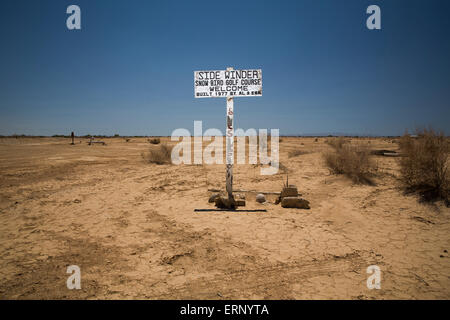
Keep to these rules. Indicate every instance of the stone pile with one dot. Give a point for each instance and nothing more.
(290, 198)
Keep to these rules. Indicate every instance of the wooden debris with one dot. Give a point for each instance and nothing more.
(289, 191)
(249, 191)
(385, 153)
(91, 141)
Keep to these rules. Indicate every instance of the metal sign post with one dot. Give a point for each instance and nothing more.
(230, 147)
(228, 83)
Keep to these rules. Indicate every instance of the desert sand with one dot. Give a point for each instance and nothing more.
(131, 228)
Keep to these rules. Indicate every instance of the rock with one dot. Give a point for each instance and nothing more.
(295, 202)
(213, 198)
(260, 198)
(278, 200)
(224, 203)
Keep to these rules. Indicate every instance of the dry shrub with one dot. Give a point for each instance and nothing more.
(296, 153)
(424, 164)
(160, 154)
(281, 167)
(354, 161)
(154, 141)
(337, 143)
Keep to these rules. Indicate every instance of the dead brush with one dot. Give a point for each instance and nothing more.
(337, 143)
(162, 154)
(354, 161)
(424, 164)
(282, 167)
(296, 153)
(154, 141)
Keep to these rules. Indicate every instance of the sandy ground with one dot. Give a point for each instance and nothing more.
(132, 229)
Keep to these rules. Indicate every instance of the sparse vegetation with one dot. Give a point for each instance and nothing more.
(337, 143)
(424, 165)
(154, 141)
(296, 153)
(159, 155)
(283, 168)
(354, 161)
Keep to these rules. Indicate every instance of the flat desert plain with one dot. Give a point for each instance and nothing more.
(131, 227)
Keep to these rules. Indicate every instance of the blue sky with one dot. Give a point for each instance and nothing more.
(130, 69)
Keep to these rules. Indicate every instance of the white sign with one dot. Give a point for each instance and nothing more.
(228, 83)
